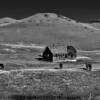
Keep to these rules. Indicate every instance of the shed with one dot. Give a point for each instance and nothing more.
(71, 52)
(47, 54)
(60, 53)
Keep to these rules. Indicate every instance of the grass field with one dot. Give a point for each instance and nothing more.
(49, 82)
(26, 78)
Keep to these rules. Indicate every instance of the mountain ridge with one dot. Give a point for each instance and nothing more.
(48, 29)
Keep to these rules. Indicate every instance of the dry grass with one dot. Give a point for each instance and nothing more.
(52, 31)
(44, 82)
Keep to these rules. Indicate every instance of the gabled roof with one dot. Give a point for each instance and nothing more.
(57, 50)
(47, 49)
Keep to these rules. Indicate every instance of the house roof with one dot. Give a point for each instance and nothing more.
(57, 50)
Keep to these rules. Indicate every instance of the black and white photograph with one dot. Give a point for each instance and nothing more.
(49, 50)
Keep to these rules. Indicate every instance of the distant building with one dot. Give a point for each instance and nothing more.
(47, 54)
(51, 55)
(71, 52)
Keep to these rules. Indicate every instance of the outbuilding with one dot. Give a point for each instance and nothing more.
(58, 54)
(47, 54)
(71, 52)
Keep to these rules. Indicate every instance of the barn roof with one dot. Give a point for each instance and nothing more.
(57, 49)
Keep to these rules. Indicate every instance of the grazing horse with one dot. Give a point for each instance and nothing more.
(1, 66)
(60, 66)
(88, 66)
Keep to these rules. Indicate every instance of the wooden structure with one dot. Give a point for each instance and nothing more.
(71, 52)
(50, 55)
(47, 54)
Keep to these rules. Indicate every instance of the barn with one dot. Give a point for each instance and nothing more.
(50, 54)
(71, 52)
(47, 54)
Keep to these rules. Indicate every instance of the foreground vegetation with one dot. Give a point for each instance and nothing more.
(49, 83)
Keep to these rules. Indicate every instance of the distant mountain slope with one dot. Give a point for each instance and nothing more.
(48, 29)
(6, 21)
(95, 23)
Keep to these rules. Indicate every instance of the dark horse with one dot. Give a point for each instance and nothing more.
(88, 66)
(1, 66)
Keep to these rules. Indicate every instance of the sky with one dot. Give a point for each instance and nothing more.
(79, 10)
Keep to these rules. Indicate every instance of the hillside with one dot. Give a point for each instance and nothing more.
(95, 23)
(6, 21)
(24, 77)
(48, 29)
